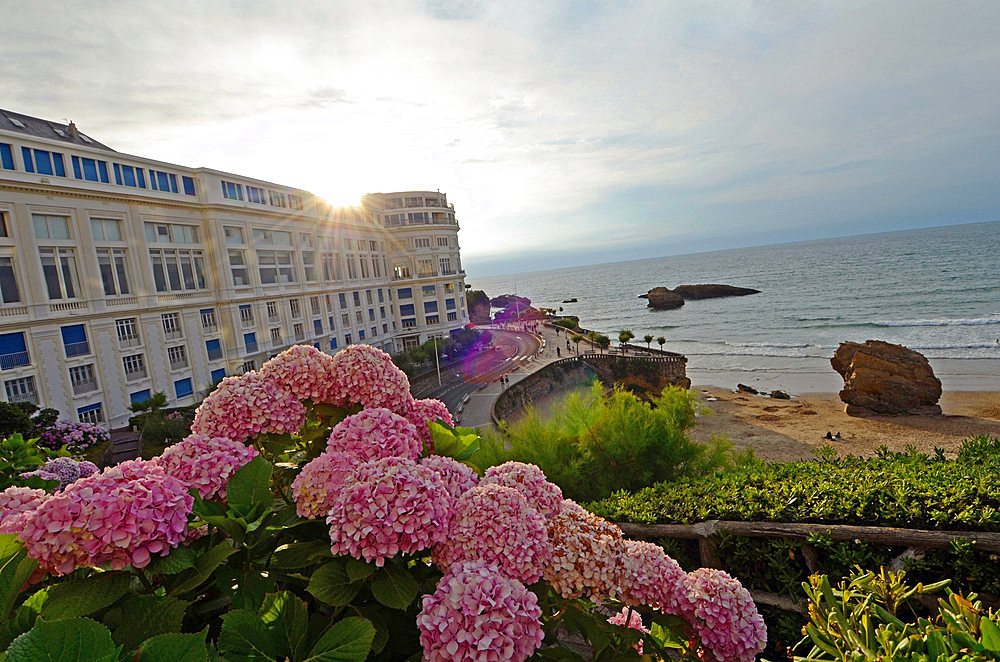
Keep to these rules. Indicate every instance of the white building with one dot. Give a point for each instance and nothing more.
(122, 276)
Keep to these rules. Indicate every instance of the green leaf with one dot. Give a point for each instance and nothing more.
(174, 647)
(300, 554)
(176, 561)
(80, 597)
(142, 616)
(204, 567)
(247, 589)
(330, 411)
(358, 569)
(348, 640)
(330, 584)
(65, 640)
(249, 490)
(991, 635)
(245, 637)
(15, 568)
(394, 587)
(23, 620)
(234, 528)
(287, 617)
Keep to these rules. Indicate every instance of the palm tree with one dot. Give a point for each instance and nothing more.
(603, 342)
(623, 337)
(577, 338)
(661, 340)
(649, 339)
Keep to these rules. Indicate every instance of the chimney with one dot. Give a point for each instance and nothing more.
(73, 133)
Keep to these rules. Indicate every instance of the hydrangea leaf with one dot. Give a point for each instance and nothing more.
(64, 640)
(80, 597)
(245, 637)
(331, 584)
(288, 619)
(142, 616)
(204, 567)
(300, 554)
(348, 640)
(174, 647)
(15, 568)
(394, 587)
(249, 490)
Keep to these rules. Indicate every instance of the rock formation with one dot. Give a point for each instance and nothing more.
(882, 378)
(663, 298)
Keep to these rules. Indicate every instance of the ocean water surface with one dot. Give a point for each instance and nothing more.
(934, 290)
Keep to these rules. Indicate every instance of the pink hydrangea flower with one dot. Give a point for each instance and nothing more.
(495, 524)
(372, 434)
(478, 613)
(245, 406)
(529, 480)
(205, 463)
(364, 375)
(16, 503)
(650, 577)
(118, 517)
(318, 484)
(303, 370)
(630, 619)
(392, 506)
(725, 616)
(586, 552)
(458, 478)
(422, 412)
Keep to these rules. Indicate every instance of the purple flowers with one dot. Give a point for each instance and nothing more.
(78, 436)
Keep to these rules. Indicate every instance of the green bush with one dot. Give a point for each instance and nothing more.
(594, 444)
(567, 324)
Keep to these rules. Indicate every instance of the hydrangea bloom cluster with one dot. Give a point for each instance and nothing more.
(372, 434)
(495, 524)
(529, 480)
(725, 617)
(458, 478)
(245, 406)
(650, 577)
(392, 506)
(586, 554)
(478, 614)
(64, 469)
(14, 503)
(630, 619)
(118, 517)
(429, 410)
(205, 463)
(318, 484)
(78, 436)
(304, 371)
(366, 376)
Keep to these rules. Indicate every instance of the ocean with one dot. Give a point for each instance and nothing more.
(934, 290)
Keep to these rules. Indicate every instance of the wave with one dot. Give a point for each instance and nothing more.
(960, 321)
(765, 345)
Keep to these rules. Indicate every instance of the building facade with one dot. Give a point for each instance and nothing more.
(122, 276)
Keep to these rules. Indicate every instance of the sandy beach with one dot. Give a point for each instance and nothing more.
(783, 430)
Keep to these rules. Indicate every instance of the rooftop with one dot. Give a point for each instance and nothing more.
(35, 126)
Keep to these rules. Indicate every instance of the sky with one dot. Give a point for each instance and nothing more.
(565, 132)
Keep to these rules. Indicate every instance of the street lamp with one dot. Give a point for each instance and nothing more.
(437, 361)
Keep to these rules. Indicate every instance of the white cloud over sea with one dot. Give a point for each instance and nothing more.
(565, 131)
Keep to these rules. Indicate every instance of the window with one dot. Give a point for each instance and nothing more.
(452, 317)
(218, 375)
(177, 269)
(449, 288)
(44, 163)
(275, 267)
(445, 264)
(442, 242)
(357, 298)
(75, 340)
(294, 201)
(6, 157)
(139, 396)
(317, 327)
(128, 332)
(171, 233)
(381, 312)
(273, 237)
(376, 267)
(272, 310)
(50, 227)
(276, 334)
(113, 265)
(361, 334)
(9, 292)
(231, 191)
(277, 199)
(208, 322)
(309, 265)
(449, 304)
(332, 324)
(248, 366)
(182, 387)
(250, 340)
(431, 319)
(13, 350)
(430, 306)
(171, 325)
(333, 343)
(188, 184)
(246, 315)
(82, 379)
(298, 331)
(343, 300)
(238, 267)
(406, 310)
(347, 339)
(135, 367)
(234, 235)
(371, 314)
(106, 229)
(92, 414)
(330, 270)
(352, 267)
(214, 349)
(425, 267)
(177, 357)
(256, 195)
(365, 273)
(162, 181)
(357, 316)
(422, 242)
(295, 308)
(400, 270)
(128, 176)
(21, 389)
(90, 169)
(345, 319)
(428, 290)
(314, 305)
(59, 269)
(404, 293)
(381, 299)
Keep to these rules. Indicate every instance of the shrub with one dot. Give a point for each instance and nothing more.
(567, 323)
(77, 437)
(594, 444)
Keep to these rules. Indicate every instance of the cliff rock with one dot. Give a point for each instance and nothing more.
(662, 298)
(712, 291)
(882, 378)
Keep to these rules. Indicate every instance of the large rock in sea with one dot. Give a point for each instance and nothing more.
(883, 378)
(662, 298)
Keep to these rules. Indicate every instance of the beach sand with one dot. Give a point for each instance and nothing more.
(783, 430)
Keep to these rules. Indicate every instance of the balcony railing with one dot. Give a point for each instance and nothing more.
(178, 364)
(135, 373)
(30, 396)
(247, 322)
(273, 319)
(214, 354)
(77, 348)
(14, 360)
(300, 336)
(210, 328)
(251, 348)
(174, 334)
(85, 386)
(125, 342)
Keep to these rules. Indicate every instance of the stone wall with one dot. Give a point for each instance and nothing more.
(557, 375)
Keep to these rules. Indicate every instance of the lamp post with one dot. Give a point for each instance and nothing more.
(437, 361)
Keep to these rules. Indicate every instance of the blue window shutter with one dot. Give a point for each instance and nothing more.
(333, 343)
(206, 311)
(74, 334)
(103, 167)
(139, 396)
(245, 306)
(89, 170)
(249, 338)
(93, 407)
(162, 181)
(430, 306)
(183, 387)
(173, 183)
(218, 374)
(141, 177)
(361, 334)
(118, 174)
(404, 293)
(188, 185)
(43, 162)
(449, 304)
(214, 344)
(58, 165)
(29, 165)
(318, 326)
(12, 343)
(6, 157)
(76, 168)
